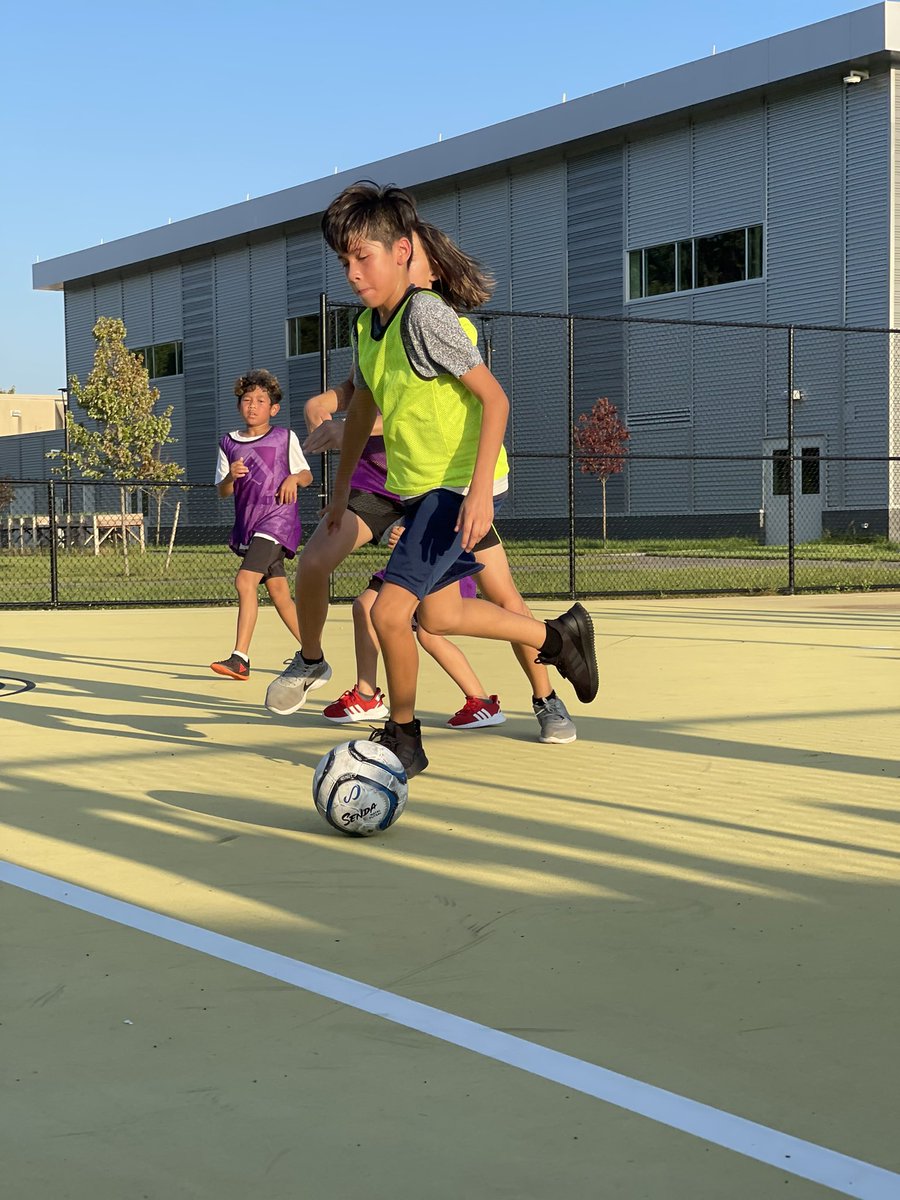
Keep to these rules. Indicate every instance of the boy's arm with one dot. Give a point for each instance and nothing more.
(357, 431)
(476, 512)
(227, 473)
(300, 475)
(322, 407)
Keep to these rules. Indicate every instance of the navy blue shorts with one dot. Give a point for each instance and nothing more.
(429, 556)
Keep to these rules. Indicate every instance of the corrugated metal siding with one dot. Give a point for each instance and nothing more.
(729, 171)
(539, 415)
(804, 220)
(268, 305)
(484, 231)
(658, 175)
(442, 209)
(867, 201)
(25, 457)
(171, 391)
(595, 247)
(108, 299)
(201, 417)
(729, 367)
(232, 277)
(304, 264)
(595, 254)
(166, 291)
(137, 310)
(79, 308)
(305, 255)
(861, 419)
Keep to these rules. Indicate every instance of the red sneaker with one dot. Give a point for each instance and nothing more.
(352, 707)
(477, 712)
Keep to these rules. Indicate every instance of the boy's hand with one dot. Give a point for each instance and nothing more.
(287, 492)
(327, 436)
(333, 513)
(476, 513)
(395, 535)
(238, 469)
(317, 410)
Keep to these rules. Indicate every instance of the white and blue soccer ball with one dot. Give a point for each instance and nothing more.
(360, 788)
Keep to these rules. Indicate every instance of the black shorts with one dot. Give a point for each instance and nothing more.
(490, 539)
(264, 557)
(379, 513)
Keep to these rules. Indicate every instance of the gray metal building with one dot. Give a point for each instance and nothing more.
(757, 185)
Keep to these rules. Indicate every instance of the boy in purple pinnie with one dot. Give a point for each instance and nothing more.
(262, 467)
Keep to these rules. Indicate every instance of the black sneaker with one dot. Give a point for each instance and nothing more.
(407, 746)
(577, 659)
(233, 666)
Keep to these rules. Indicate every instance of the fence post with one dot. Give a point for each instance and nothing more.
(325, 492)
(570, 383)
(54, 563)
(790, 458)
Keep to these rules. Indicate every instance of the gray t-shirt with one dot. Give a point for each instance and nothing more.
(434, 341)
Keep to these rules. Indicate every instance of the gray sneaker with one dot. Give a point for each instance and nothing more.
(556, 724)
(288, 692)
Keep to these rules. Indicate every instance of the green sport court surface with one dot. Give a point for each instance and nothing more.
(659, 962)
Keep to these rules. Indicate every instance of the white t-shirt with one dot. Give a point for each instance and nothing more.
(296, 461)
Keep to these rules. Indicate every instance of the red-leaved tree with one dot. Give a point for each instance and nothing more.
(600, 439)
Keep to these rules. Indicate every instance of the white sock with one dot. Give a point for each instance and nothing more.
(240, 655)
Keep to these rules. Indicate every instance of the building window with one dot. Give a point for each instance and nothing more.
(162, 359)
(303, 332)
(810, 481)
(701, 262)
(781, 472)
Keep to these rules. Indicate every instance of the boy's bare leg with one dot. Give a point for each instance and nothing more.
(452, 660)
(322, 553)
(446, 612)
(365, 641)
(566, 641)
(496, 584)
(283, 601)
(392, 616)
(247, 586)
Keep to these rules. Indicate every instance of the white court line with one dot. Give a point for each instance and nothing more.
(849, 1176)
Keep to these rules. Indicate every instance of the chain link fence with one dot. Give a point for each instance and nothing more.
(758, 460)
(168, 545)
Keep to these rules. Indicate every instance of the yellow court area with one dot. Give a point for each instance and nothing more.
(661, 962)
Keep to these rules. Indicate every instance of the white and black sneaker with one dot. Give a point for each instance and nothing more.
(288, 692)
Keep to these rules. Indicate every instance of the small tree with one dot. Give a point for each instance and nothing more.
(7, 493)
(600, 438)
(129, 437)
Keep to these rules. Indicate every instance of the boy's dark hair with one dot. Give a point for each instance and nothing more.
(365, 212)
(258, 379)
(461, 280)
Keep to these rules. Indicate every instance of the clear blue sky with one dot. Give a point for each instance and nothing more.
(117, 117)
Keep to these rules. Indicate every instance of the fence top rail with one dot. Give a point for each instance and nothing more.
(487, 314)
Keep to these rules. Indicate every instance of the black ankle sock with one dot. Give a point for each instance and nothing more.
(552, 643)
(311, 662)
(411, 727)
(543, 699)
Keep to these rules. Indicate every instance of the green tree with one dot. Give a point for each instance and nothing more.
(7, 391)
(128, 437)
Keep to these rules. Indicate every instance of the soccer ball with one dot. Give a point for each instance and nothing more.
(360, 788)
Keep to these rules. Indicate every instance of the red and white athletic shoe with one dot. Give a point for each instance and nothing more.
(353, 707)
(477, 712)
